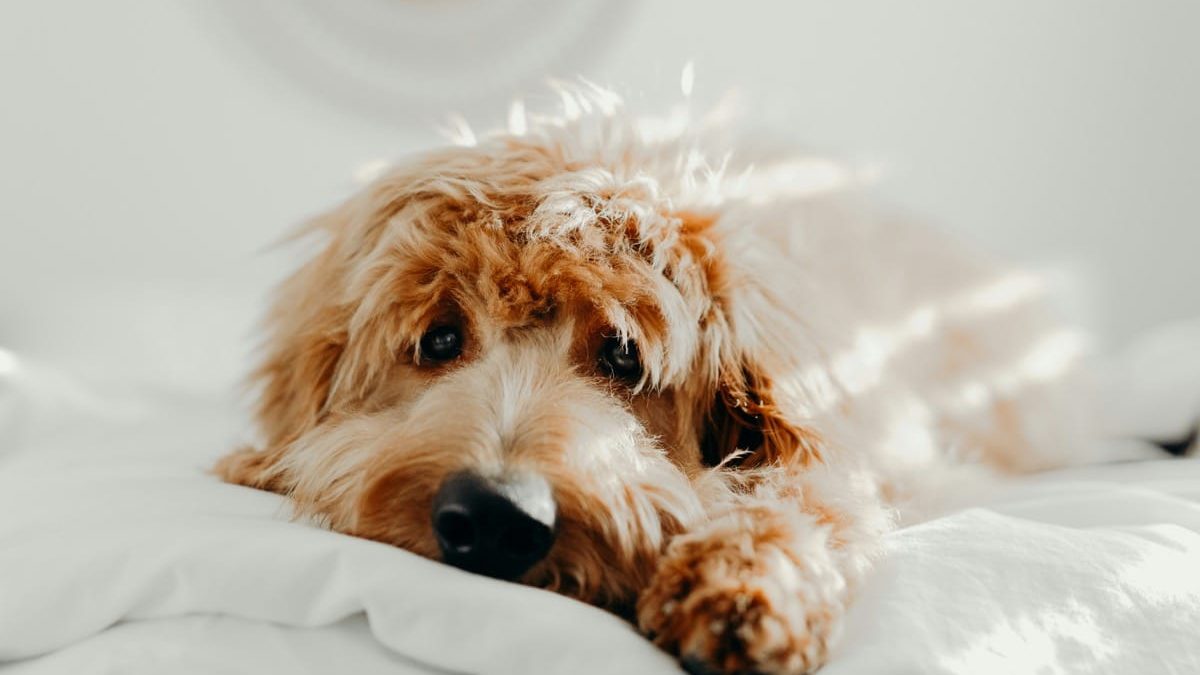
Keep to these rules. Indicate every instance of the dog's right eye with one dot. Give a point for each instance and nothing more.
(619, 358)
(440, 344)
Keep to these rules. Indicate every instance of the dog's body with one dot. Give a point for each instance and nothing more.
(578, 358)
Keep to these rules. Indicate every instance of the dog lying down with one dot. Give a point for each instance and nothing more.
(582, 357)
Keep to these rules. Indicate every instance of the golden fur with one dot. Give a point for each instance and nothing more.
(812, 373)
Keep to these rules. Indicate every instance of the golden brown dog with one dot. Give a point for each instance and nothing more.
(580, 356)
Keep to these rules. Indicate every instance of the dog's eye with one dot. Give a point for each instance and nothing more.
(620, 359)
(441, 344)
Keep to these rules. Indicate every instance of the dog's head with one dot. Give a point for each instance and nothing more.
(523, 358)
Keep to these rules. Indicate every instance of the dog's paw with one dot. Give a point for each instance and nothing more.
(730, 603)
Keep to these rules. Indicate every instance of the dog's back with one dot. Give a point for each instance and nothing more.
(913, 354)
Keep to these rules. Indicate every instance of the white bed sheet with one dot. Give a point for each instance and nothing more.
(118, 554)
(210, 643)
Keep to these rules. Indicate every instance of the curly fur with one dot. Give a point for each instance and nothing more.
(814, 371)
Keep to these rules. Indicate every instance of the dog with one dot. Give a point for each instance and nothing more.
(617, 358)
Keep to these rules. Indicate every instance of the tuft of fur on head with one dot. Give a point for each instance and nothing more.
(540, 245)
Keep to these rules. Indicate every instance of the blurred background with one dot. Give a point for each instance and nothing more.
(151, 152)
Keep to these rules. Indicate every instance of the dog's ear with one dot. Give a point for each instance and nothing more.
(744, 426)
(306, 337)
(296, 378)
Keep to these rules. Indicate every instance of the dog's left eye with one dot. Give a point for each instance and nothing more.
(441, 344)
(620, 359)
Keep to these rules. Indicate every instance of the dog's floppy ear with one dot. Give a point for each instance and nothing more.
(306, 338)
(744, 427)
(297, 375)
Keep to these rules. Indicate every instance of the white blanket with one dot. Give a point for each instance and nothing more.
(118, 554)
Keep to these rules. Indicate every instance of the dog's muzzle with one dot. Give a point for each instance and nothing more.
(495, 527)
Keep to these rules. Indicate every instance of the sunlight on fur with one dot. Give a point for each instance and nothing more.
(725, 376)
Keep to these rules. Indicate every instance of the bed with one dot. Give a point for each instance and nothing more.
(120, 554)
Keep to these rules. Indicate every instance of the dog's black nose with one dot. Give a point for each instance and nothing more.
(498, 528)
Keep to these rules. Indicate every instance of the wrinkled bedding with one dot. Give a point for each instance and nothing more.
(119, 554)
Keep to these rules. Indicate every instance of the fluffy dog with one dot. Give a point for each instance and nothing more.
(580, 356)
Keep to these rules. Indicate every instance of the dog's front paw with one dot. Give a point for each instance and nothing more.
(736, 601)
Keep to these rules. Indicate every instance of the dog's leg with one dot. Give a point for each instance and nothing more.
(762, 584)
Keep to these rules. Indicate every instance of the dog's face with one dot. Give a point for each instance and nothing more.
(514, 361)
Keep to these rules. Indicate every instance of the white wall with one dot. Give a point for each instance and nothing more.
(149, 151)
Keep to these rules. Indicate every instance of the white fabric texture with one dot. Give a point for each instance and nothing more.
(119, 554)
(1092, 570)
